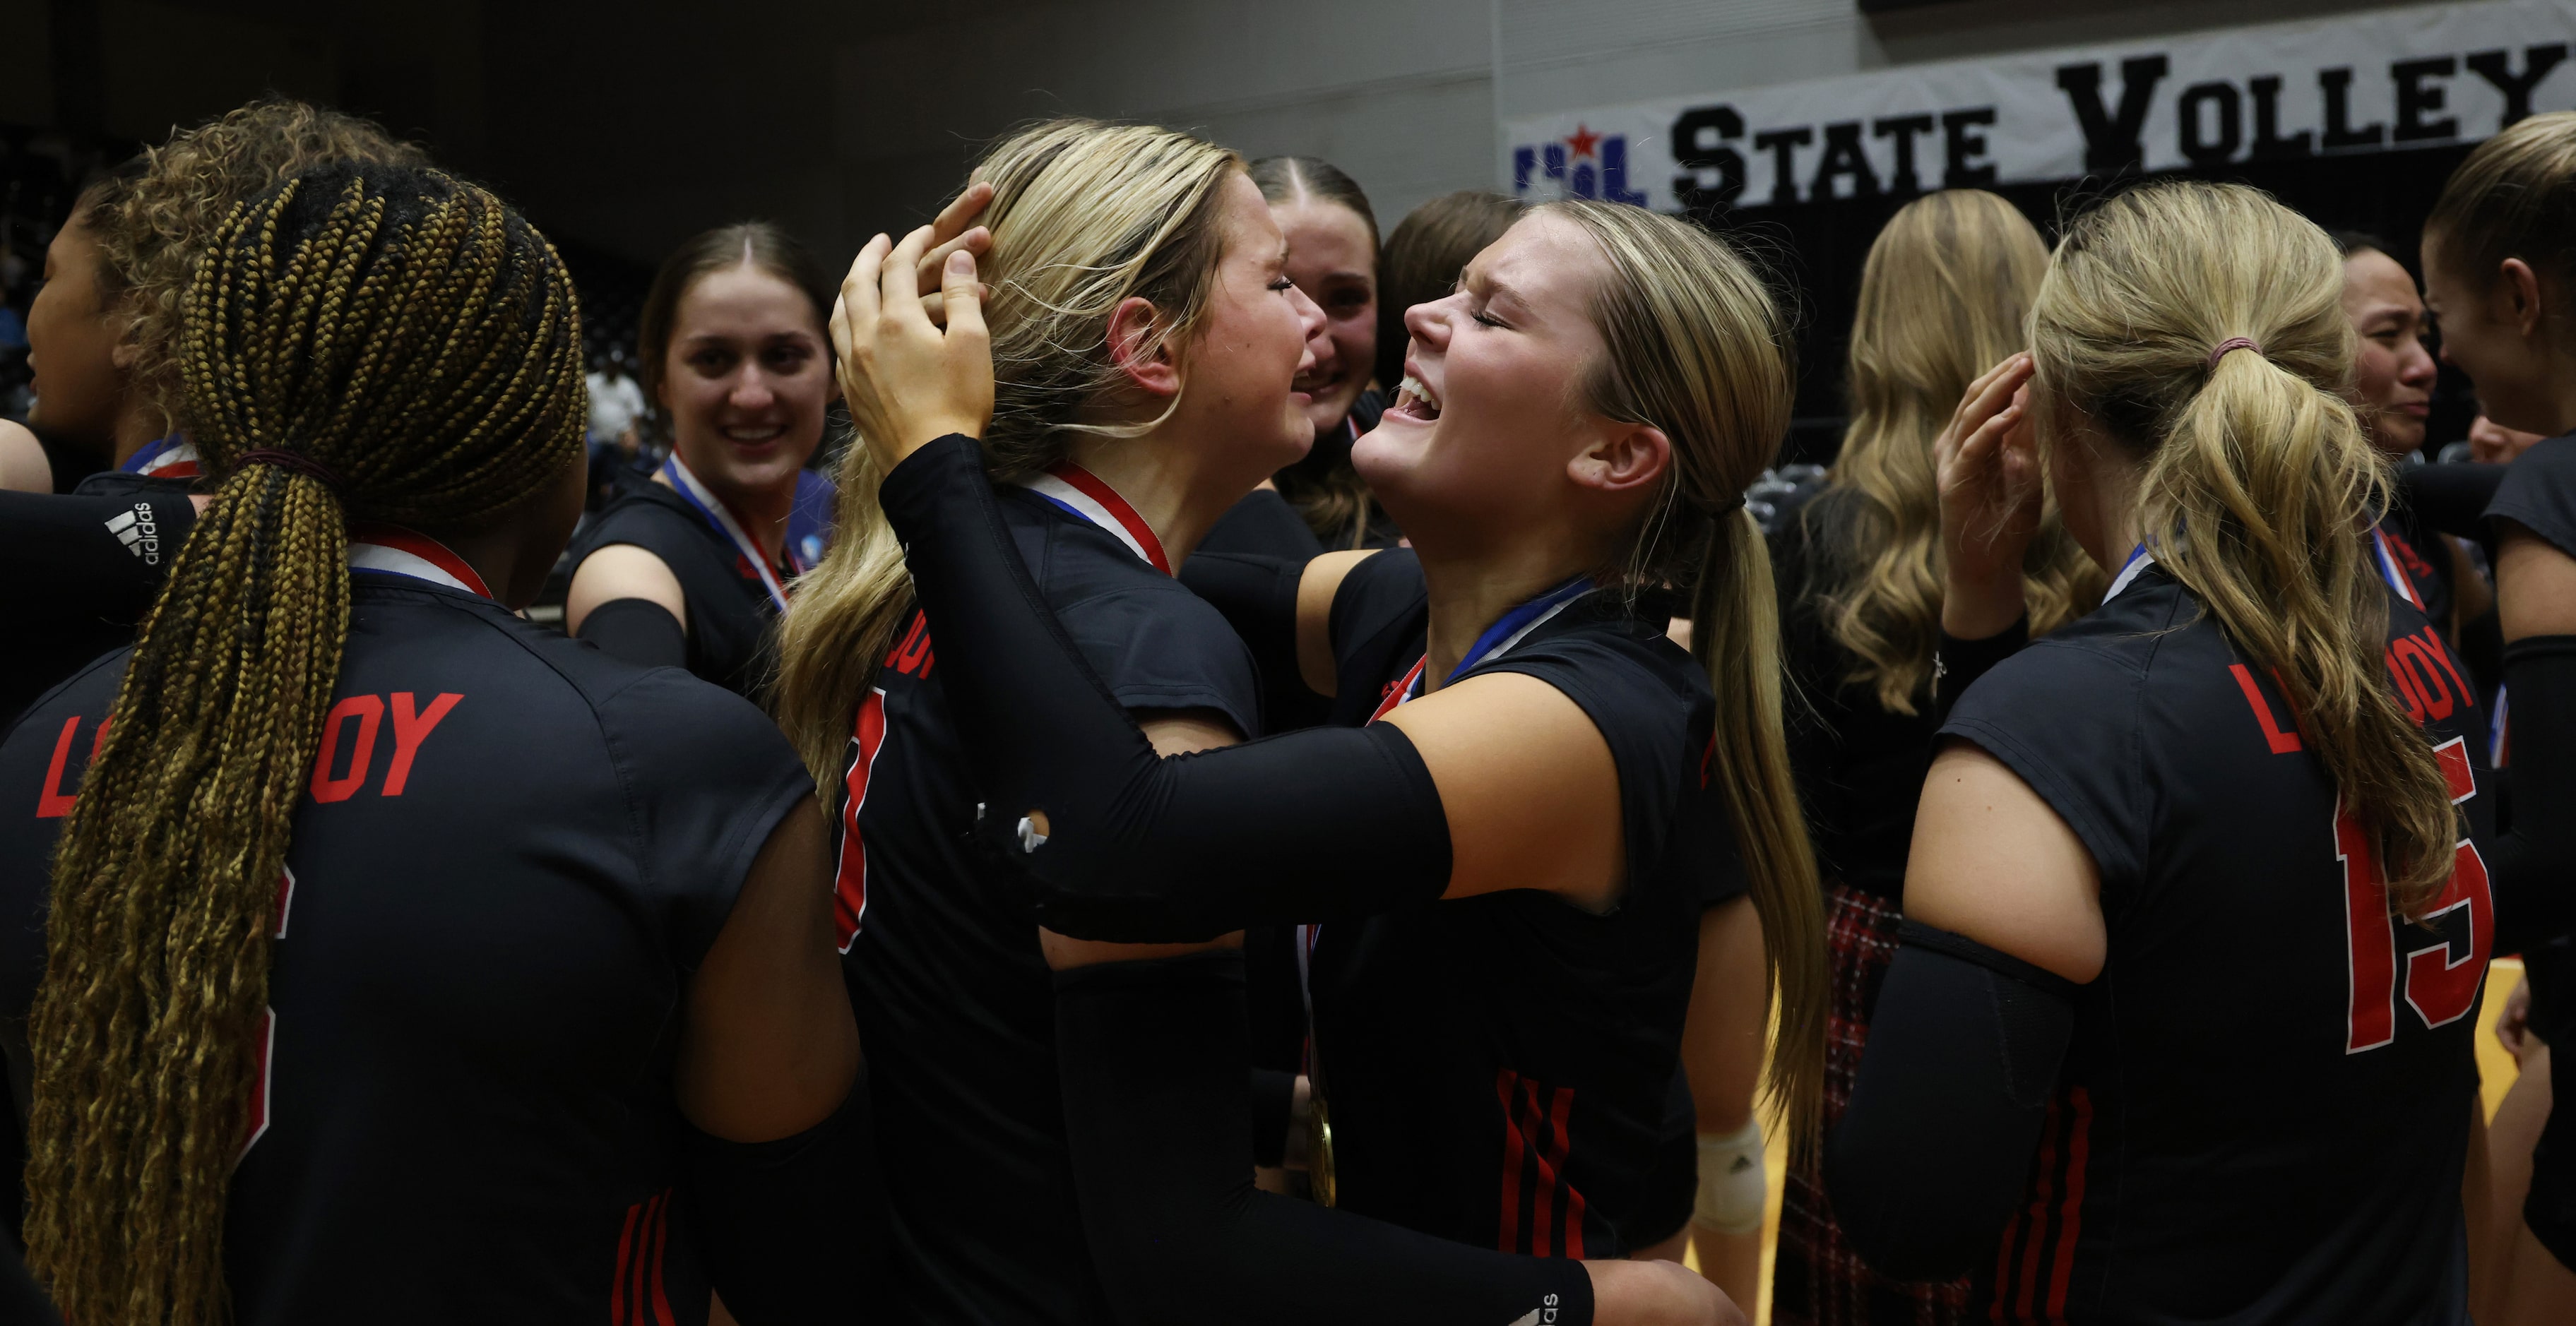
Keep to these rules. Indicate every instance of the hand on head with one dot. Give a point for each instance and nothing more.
(1988, 466)
(907, 380)
(949, 233)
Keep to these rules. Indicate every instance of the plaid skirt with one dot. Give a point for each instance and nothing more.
(1817, 1280)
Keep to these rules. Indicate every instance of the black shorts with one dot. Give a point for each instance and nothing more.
(2550, 1209)
(1665, 1201)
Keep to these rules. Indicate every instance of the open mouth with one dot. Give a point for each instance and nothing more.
(753, 437)
(1413, 400)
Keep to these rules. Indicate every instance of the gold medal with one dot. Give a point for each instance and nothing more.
(1319, 1150)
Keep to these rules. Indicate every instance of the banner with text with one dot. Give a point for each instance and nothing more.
(2369, 82)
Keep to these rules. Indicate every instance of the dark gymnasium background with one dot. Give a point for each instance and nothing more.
(622, 128)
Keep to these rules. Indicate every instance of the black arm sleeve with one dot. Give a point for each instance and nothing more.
(1151, 1057)
(1258, 597)
(68, 554)
(639, 631)
(1313, 826)
(1958, 663)
(1928, 1161)
(789, 1227)
(2451, 498)
(2532, 869)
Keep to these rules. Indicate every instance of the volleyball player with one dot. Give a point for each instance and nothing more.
(1944, 295)
(2243, 781)
(1149, 337)
(1494, 1067)
(692, 567)
(2393, 377)
(100, 339)
(2498, 268)
(1332, 256)
(377, 956)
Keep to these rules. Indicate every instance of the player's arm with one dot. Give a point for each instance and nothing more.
(1283, 609)
(24, 466)
(781, 1167)
(2004, 921)
(1722, 1044)
(2529, 867)
(1315, 825)
(71, 553)
(626, 600)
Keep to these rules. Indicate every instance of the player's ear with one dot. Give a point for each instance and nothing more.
(1143, 357)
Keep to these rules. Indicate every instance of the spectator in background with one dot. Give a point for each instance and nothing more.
(616, 405)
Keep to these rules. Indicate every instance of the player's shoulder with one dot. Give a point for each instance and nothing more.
(118, 483)
(2539, 492)
(88, 692)
(1383, 591)
(1608, 654)
(642, 513)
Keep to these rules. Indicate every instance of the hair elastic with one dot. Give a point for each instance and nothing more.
(288, 460)
(2232, 343)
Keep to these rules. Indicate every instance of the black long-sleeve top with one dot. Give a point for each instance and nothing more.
(1859, 767)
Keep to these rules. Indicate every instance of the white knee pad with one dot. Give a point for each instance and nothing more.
(1732, 1191)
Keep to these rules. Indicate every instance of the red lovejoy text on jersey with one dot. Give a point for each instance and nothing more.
(53, 798)
(412, 726)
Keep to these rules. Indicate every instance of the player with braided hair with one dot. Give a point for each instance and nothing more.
(385, 930)
(102, 341)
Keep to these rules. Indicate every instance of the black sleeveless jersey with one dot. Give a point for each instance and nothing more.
(1859, 766)
(2263, 1113)
(733, 626)
(513, 851)
(955, 1002)
(1499, 1068)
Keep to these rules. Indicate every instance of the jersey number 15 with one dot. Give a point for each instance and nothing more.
(2441, 978)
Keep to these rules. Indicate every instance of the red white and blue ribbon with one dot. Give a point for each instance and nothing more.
(1083, 494)
(2392, 569)
(172, 457)
(707, 504)
(1498, 639)
(2139, 560)
(394, 552)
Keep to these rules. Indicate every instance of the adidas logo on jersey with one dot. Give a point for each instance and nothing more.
(1544, 1315)
(138, 532)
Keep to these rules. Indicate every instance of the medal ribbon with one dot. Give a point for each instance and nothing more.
(172, 457)
(1083, 494)
(1498, 639)
(698, 495)
(2139, 560)
(391, 550)
(2394, 570)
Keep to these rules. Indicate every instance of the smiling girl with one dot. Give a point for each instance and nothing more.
(692, 568)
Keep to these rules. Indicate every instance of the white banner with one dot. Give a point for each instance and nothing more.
(2370, 82)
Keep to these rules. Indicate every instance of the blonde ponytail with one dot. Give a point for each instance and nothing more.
(1735, 634)
(1696, 346)
(2258, 487)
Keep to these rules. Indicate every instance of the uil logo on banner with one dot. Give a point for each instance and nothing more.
(1583, 164)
